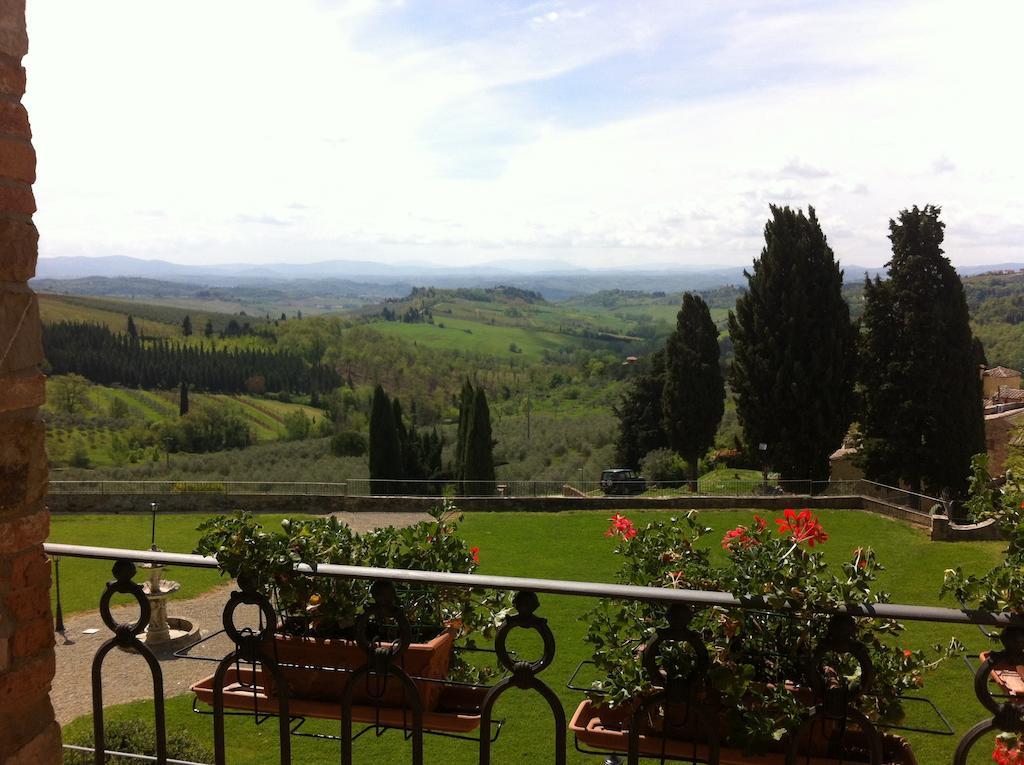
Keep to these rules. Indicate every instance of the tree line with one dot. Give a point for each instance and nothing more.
(906, 372)
(106, 357)
(399, 453)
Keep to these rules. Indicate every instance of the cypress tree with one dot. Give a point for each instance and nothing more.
(921, 415)
(793, 369)
(465, 409)
(693, 396)
(186, 326)
(640, 414)
(208, 328)
(479, 457)
(183, 399)
(133, 333)
(385, 449)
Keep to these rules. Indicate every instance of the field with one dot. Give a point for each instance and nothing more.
(529, 544)
(110, 413)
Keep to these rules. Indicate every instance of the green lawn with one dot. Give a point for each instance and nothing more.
(81, 581)
(534, 544)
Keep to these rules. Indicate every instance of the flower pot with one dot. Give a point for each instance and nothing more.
(1009, 677)
(245, 689)
(318, 670)
(608, 731)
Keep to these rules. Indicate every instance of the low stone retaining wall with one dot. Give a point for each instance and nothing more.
(218, 503)
(944, 530)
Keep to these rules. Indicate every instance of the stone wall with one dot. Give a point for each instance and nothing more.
(211, 504)
(28, 733)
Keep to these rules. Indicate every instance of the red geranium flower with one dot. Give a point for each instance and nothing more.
(738, 536)
(1004, 755)
(475, 552)
(621, 526)
(802, 526)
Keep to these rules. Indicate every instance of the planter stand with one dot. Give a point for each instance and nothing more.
(457, 710)
(593, 736)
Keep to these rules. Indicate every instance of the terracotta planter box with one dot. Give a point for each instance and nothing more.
(245, 689)
(322, 673)
(1009, 677)
(608, 731)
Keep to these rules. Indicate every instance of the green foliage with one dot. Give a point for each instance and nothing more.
(137, 737)
(207, 429)
(106, 357)
(921, 416)
(664, 466)
(478, 449)
(79, 457)
(348, 443)
(693, 398)
(757, 659)
(641, 414)
(793, 368)
(297, 426)
(1002, 587)
(69, 393)
(326, 607)
(385, 448)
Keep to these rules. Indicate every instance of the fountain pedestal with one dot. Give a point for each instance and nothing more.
(165, 634)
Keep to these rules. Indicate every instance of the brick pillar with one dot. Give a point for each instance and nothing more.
(28, 733)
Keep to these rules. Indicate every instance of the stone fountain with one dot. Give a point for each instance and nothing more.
(165, 634)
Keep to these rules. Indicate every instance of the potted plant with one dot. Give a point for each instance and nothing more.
(765, 671)
(1001, 589)
(317, 614)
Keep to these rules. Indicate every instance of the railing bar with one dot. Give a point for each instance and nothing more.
(132, 755)
(550, 586)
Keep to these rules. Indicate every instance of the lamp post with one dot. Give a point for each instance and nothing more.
(763, 448)
(152, 533)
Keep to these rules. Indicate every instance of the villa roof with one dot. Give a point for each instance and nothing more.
(1000, 372)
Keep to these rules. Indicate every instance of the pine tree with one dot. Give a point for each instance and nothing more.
(186, 326)
(385, 449)
(693, 397)
(183, 399)
(921, 417)
(640, 414)
(793, 369)
(478, 466)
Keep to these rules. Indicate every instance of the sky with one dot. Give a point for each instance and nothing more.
(604, 133)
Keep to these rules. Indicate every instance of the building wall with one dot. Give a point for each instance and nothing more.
(28, 733)
(998, 429)
(990, 385)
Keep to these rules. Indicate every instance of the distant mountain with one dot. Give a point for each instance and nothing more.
(556, 280)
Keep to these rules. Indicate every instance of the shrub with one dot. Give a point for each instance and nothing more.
(348, 443)
(79, 456)
(663, 466)
(296, 426)
(137, 737)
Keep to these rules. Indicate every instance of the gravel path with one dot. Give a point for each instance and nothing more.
(126, 676)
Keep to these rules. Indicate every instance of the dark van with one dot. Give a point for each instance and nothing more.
(622, 481)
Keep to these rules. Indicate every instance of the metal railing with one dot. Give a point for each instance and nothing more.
(254, 648)
(199, 486)
(367, 487)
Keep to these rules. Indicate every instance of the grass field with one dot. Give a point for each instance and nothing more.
(94, 430)
(529, 544)
(57, 308)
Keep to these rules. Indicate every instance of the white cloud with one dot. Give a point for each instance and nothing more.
(222, 115)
